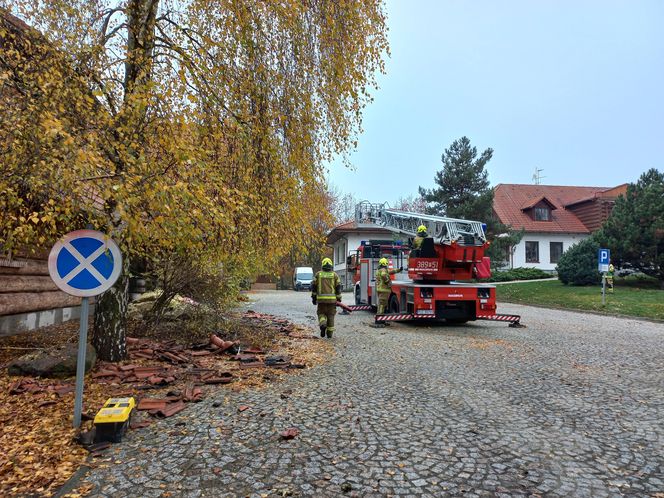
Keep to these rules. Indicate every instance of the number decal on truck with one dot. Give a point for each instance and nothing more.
(427, 265)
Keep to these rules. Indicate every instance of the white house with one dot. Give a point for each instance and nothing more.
(345, 239)
(552, 217)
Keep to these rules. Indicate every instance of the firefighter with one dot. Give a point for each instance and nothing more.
(384, 286)
(325, 292)
(421, 235)
(609, 277)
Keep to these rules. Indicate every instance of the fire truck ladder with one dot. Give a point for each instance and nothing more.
(446, 230)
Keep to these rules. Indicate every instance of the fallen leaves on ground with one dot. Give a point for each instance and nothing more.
(39, 453)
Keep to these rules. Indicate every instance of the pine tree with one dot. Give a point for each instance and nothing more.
(635, 230)
(463, 189)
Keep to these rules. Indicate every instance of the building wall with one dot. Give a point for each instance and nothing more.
(593, 213)
(544, 240)
(346, 246)
(29, 298)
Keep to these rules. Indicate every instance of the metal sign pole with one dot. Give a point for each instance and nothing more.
(80, 362)
(603, 289)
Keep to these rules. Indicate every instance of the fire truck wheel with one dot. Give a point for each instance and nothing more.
(393, 304)
(357, 295)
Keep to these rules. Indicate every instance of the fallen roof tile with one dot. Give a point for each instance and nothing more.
(218, 380)
(290, 433)
(254, 364)
(151, 404)
(171, 409)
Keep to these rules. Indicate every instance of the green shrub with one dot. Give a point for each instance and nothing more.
(517, 274)
(578, 265)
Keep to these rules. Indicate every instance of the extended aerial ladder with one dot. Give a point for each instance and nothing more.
(446, 230)
(439, 272)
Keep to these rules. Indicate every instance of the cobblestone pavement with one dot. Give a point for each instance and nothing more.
(573, 405)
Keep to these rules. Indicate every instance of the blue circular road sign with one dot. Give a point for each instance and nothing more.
(85, 263)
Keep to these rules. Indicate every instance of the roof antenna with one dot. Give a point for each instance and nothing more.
(537, 177)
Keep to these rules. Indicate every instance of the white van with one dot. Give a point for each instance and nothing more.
(302, 277)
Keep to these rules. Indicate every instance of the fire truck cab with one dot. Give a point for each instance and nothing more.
(364, 264)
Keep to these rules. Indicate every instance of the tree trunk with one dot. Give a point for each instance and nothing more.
(110, 324)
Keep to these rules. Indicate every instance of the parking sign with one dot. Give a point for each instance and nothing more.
(604, 258)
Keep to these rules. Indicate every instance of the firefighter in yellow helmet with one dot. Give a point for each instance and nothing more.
(609, 277)
(421, 235)
(325, 292)
(384, 285)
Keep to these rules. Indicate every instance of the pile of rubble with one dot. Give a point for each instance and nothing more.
(154, 365)
(28, 385)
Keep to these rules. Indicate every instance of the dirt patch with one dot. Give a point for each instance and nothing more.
(487, 343)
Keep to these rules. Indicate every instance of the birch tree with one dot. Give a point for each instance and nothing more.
(191, 127)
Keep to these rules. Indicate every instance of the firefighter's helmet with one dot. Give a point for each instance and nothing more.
(327, 264)
(383, 262)
(421, 230)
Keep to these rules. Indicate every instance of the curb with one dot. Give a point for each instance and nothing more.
(588, 312)
(73, 482)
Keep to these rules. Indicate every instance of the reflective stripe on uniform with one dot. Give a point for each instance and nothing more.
(325, 281)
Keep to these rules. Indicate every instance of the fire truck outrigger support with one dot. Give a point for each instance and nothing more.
(453, 252)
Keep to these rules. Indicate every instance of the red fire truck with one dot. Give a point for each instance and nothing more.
(439, 283)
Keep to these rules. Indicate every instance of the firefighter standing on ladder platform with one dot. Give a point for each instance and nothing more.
(421, 235)
(325, 292)
(384, 286)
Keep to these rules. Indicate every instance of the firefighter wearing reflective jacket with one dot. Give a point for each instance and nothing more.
(421, 235)
(384, 285)
(325, 292)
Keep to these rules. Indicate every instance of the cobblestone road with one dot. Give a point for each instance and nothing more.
(573, 405)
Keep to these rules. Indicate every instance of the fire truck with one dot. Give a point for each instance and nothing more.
(439, 283)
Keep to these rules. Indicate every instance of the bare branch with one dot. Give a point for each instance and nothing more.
(103, 36)
(113, 32)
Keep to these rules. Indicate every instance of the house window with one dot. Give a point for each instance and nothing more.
(532, 252)
(555, 251)
(341, 253)
(542, 214)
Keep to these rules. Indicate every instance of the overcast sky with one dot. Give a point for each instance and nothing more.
(575, 88)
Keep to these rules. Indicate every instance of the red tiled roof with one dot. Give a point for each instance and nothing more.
(348, 225)
(351, 226)
(510, 199)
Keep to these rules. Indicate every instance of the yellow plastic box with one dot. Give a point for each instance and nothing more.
(112, 421)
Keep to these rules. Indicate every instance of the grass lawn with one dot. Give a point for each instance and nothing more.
(632, 298)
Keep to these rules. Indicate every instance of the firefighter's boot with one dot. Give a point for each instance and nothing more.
(322, 323)
(329, 332)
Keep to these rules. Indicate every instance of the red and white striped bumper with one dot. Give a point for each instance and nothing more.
(513, 319)
(360, 307)
(394, 317)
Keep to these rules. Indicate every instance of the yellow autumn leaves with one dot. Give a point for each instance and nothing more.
(203, 135)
